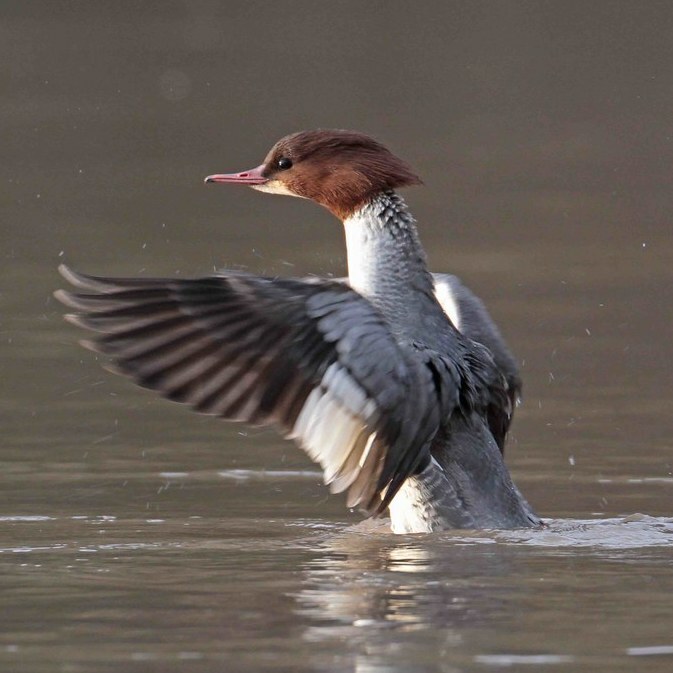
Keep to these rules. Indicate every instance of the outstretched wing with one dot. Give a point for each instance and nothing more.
(315, 358)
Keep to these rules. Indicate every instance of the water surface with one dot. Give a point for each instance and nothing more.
(137, 536)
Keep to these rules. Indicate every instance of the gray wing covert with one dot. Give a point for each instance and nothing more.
(314, 358)
(472, 318)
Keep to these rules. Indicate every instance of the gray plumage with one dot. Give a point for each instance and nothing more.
(264, 351)
(397, 382)
(371, 378)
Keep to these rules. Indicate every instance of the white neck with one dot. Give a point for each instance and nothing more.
(386, 262)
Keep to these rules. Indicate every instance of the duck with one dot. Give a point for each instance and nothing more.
(395, 380)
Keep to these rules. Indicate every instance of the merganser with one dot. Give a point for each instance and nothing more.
(396, 381)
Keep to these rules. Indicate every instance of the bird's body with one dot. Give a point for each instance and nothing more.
(371, 377)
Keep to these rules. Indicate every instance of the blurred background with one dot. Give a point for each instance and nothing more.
(544, 135)
(542, 131)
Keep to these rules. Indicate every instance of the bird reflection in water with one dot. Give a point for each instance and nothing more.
(370, 590)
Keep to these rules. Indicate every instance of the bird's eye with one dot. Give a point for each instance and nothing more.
(284, 163)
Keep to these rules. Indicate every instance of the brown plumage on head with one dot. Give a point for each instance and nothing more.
(341, 170)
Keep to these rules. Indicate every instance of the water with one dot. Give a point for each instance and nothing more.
(137, 536)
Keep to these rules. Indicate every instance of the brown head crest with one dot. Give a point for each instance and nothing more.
(341, 170)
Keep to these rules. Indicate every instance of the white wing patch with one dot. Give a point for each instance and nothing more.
(447, 300)
(335, 426)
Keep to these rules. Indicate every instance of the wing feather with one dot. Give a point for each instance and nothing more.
(315, 358)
